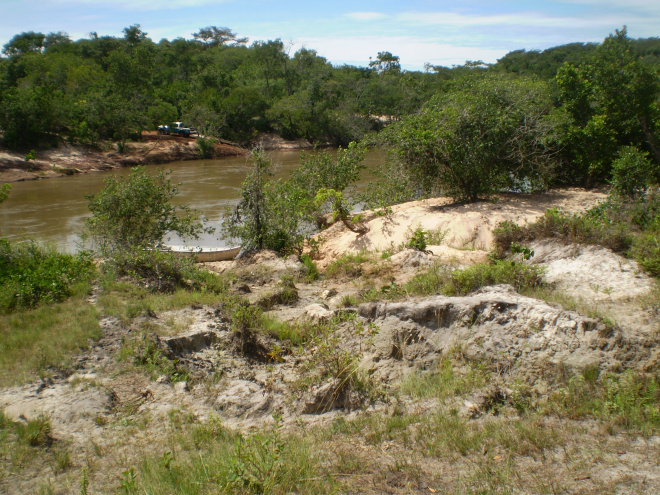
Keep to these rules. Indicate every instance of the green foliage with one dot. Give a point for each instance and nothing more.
(266, 217)
(522, 277)
(311, 270)
(347, 265)
(130, 219)
(279, 214)
(598, 226)
(205, 147)
(629, 401)
(35, 432)
(482, 136)
(631, 173)
(4, 192)
(607, 102)
(417, 239)
(31, 274)
(146, 353)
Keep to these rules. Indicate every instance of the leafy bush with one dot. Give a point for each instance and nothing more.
(130, 219)
(482, 136)
(631, 173)
(417, 240)
(31, 274)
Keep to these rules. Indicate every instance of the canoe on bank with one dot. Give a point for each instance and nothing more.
(206, 254)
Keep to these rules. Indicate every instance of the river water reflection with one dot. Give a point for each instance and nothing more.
(54, 210)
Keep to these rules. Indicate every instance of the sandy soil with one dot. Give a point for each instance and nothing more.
(467, 228)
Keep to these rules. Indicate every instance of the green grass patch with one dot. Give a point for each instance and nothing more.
(444, 381)
(36, 340)
(212, 459)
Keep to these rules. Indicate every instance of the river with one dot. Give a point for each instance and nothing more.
(54, 210)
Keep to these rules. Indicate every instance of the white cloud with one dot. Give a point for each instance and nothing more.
(414, 52)
(144, 5)
(365, 16)
(522, 19)
(650, 7)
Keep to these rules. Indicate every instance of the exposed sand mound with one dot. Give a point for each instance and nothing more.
(466, 227)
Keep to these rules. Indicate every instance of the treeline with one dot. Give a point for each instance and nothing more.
(107, 88)
(111, 88)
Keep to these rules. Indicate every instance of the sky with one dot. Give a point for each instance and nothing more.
(437, 32)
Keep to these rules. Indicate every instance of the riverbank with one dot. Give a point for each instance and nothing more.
(67, 159)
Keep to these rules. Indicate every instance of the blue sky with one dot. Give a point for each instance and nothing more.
(418, 31)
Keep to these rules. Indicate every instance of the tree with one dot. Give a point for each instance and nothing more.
(218, 36)
(608, 102)
(131, 217)
(266, 216)
(484, 135)
(29, 42)
(134, 34)
(385, 62)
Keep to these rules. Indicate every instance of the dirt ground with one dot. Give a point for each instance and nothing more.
(113, 415)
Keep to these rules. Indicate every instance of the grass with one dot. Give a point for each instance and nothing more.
(440, 279)
(36, 340)
(347, 266)
(628, 401)
(444, 382)
(212, 459)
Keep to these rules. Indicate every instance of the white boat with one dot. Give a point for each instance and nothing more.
(206, 254)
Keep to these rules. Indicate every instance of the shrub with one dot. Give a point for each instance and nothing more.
(130, 218)
(417, 240)
(31, 274)
(631, 172)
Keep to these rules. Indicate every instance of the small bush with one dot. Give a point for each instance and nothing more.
(417, 240)
(31, 274)
(347, 265)
(631, 172)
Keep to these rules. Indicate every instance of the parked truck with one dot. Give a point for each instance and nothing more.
(177, 128)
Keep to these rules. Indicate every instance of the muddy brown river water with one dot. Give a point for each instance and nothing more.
(54, 210)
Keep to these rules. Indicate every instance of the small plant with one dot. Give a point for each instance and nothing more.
(311, 270)
(36, 432)
(31, 155)
(524, 252)
(129, 481)
(417, 239)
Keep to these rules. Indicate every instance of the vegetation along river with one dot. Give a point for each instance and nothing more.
(54, 210)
